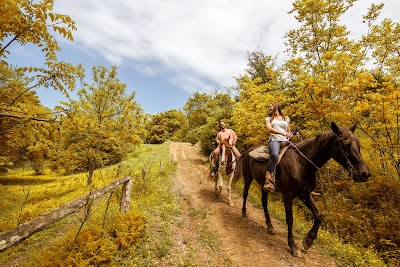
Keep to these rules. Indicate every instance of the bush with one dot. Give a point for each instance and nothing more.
(92, 246)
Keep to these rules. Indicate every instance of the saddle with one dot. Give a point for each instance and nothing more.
(262, 153)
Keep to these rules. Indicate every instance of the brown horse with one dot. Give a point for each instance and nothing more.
(296, 175)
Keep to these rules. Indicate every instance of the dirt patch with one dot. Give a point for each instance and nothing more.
(211, 233)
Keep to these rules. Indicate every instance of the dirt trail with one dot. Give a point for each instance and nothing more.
(238, 241)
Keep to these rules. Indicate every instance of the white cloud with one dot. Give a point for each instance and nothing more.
(199, 44)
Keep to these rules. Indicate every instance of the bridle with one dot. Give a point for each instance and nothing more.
(349, 165)
(227, 145)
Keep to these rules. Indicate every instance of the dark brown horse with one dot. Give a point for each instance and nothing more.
(296, 175)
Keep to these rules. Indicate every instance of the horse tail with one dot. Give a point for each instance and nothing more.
(238, 169)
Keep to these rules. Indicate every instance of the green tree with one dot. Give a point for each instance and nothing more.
(169, 125)
(261, 66)
(220, 107)
(99, 128)
(261, 85)
(195, 109)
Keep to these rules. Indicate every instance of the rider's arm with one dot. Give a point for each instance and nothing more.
(217, 139)
(234, 138)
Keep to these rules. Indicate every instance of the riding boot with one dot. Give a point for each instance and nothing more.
(269, 182)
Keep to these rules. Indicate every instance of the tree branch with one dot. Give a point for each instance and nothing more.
(23, 117)
(38, 84)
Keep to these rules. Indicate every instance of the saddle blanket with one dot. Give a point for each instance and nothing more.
(262, 153)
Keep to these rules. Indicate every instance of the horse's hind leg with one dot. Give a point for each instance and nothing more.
(264, 201)
(312, 234)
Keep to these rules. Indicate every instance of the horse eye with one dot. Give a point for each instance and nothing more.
(346, 143)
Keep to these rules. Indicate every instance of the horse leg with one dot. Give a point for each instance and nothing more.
(216, 191)
(247, 183)
(294, 250)
(221, 183)
(264, 201)
(218, 184)
(229, 187)
(312, 234)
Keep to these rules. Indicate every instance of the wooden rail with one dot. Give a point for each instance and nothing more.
(16, 235)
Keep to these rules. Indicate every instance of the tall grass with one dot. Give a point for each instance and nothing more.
(123, 240)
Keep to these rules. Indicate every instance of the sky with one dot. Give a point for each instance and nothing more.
(166, 50)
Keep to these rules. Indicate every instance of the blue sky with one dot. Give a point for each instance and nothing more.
(166, 50)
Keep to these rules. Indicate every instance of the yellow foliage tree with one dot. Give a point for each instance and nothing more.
(23, 136)
(33, 22)
(380, 109)
(257, 89)
(29, 22)
(99, 128)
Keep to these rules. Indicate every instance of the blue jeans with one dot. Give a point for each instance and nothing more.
(273, 147)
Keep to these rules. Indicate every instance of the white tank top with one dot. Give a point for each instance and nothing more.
(280, 126)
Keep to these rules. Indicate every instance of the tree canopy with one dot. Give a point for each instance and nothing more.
(98, 128)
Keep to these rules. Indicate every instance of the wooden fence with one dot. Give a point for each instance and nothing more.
(16, 235)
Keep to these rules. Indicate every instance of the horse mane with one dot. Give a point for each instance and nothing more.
(319, 141)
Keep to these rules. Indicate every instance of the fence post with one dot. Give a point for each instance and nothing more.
(126, 196)
(161, 167)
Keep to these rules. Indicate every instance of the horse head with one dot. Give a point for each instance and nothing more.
(346, 151)
(225, 151)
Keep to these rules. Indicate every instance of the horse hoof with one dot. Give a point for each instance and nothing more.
(297, 253)
(271, 230)
(244, 214)
(307, 243)
(217, 192)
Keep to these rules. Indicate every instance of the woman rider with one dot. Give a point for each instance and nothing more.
(278, 126)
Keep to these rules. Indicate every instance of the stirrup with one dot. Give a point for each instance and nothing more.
(269, 187)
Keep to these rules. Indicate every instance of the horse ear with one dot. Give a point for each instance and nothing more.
(353, 128)
(335, 128)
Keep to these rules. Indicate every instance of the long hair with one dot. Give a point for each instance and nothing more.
(276, 107)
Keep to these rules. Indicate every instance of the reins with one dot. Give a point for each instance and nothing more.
(349, 165)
